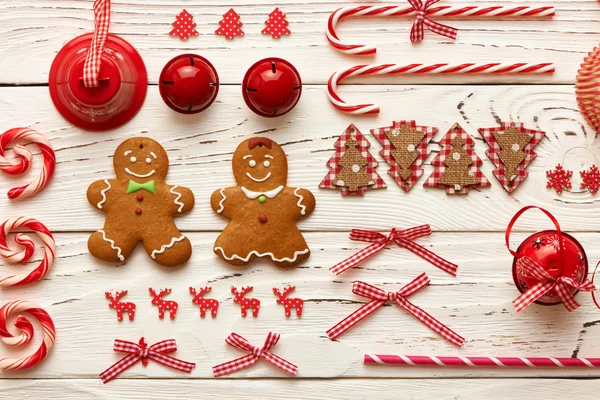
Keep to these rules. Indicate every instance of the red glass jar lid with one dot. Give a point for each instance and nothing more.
(189, 84)
(272, 87)
(123, 83)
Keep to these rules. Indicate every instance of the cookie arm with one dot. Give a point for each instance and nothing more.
(305, 202)
(98, 194)
(221, 201)
(183, 199)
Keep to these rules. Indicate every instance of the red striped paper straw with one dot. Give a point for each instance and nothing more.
(474, 12)
(383, 359)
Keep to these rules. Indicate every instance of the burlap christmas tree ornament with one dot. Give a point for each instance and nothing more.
(457, 165)
(511, 151)
(405, 150)
(352, 166)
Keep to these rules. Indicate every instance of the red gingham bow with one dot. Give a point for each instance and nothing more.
(380, 297)
(416, 33)
(141, 351)
(241, 343)
(91, 68)
(404, 238)
(561, 286)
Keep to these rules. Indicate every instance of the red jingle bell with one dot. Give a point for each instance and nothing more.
(559, 254)
(272, 87)
(189, 84)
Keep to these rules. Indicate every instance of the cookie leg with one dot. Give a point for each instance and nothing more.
(168, 247)
(111, 246)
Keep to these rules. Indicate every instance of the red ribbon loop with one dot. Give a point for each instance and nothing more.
(403, 238)
(156, 352)
(561, 285)
(379, 297)
(246, 361)
(421, 21)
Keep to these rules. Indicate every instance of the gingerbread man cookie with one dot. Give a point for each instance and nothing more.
(140, 206)
(262, 209)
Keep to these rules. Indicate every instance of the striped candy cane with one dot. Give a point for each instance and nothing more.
(28, 248)
(481, 361)
(442, 69)
(437, 12)
(26, 334)
(25, 157)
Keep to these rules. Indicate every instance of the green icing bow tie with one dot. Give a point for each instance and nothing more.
(149, 187)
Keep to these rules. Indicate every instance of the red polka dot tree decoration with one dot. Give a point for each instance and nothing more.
(230, 25)
(276, 24)
(184, 26)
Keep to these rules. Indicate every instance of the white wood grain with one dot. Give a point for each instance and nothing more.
(200, 149)
(477, 304)
(385, 389)
(34, 30)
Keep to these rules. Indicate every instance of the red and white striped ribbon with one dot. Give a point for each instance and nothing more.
(91, 68)
(442, 69)
(26, 334)
(380, 297)
(403, 238)
(156, 352)
(241, 343)
(23, 162)
(408, 10)
(28, 248)
(417, 31)
(385, 359)
(561, 285)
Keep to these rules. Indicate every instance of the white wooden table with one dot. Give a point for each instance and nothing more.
(468, 229)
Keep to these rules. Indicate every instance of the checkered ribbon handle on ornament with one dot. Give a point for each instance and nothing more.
(403, 238)
(91, 68)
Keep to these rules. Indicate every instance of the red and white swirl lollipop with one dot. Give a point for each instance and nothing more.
(25, 334)
(28, 248)
(23, 162)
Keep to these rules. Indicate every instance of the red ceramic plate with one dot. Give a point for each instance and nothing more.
(118, 98)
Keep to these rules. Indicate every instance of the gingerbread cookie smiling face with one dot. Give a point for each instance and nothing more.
(262, 209)
(140, 206)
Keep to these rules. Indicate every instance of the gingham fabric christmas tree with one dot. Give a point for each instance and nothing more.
(276, 24)
(230, 25)
(184, 26)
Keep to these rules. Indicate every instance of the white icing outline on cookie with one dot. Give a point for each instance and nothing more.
(138, 175)
(253, 195)
(299, 203)
(103, 193)
(268, 156)
(176, 201)
(247, 156)
(153, 155)
(112, 245)
(128, 152)
(166, 246)
(257, 254)
(221, 206)
(258, 180)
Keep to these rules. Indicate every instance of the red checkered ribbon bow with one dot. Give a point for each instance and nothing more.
(241, 343)
(404, 238)
(91, 68)
(561, 285)
(417, 31)
(380, 297)
(141, 351)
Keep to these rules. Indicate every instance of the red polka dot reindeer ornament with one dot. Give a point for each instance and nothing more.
(549, 267)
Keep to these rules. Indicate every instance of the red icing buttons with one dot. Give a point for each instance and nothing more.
(140, 197)
(120, 94)
(138, 211)
(272, 87)
(262, 218)
(189, 84)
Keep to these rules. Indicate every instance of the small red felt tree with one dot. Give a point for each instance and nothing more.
(276, 24)
(184, 26)
(230, 25)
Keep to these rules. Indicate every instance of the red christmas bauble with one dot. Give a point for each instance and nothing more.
(272, 87)
(544, 247)
(123, 83)
(189, 84)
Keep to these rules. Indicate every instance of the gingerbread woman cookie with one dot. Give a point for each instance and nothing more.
(262, 209)
(140, 206)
